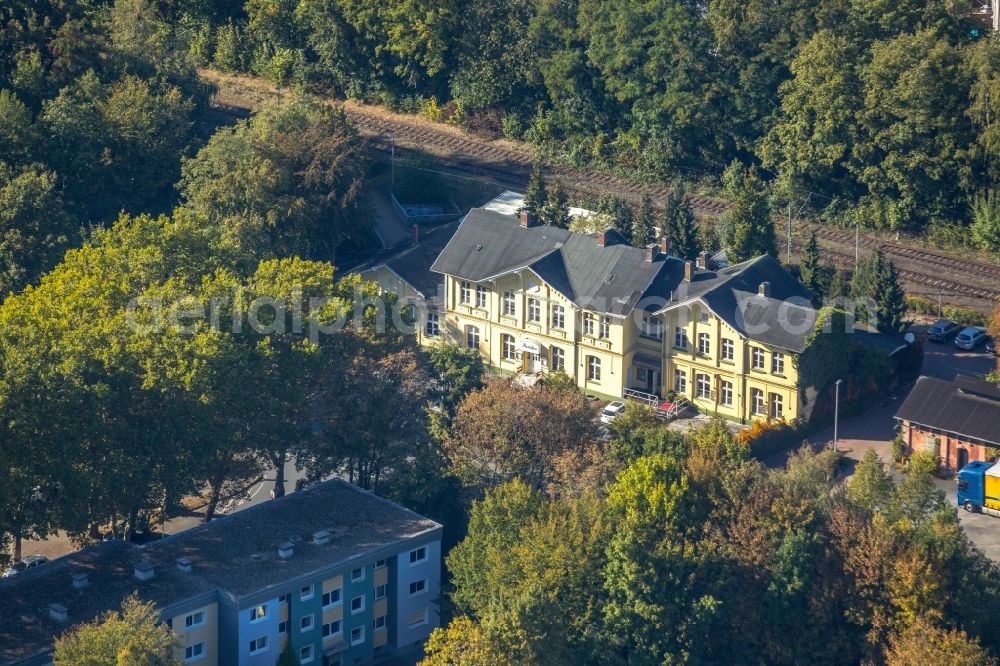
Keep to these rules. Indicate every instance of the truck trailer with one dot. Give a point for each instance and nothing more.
(979, 487)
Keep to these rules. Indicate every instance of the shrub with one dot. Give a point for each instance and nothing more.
(765, 438)
(929, 307)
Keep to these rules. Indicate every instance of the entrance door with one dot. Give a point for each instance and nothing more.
(534, 363)
(653, 379)
(963, 458)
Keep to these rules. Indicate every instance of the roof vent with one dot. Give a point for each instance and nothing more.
(58, 612)
(610, 278)
(80, 580)
(285, 550)
(764, 289)
(295, 538)
(477, 247)
(321, 537)
(144, 571)
(184, 564)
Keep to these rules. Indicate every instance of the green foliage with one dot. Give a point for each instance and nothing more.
(747, 231)
(132, 637)
(459, 371)
(555, 211)
(535, 197)
(809, 269)
(679, 226)
(926, 306)
(644, 226)
(986, 221)
(618, 214)
(870, 488)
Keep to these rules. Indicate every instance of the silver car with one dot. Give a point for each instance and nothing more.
(612, 411)
(29, 562)
(970, 338)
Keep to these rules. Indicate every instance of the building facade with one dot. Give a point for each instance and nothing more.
(333, 573)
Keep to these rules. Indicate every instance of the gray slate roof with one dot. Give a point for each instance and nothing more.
(966, 406)
(609, 279)
(413, 263)
(235, 555)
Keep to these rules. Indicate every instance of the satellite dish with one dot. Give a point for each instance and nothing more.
(909, 337)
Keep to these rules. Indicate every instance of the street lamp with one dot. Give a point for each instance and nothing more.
(836, 411)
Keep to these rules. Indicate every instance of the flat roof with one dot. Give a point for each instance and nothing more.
(234, 554)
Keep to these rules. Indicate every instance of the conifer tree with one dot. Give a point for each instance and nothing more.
(555, 212)
(536, 196)
(809, 266)
(747, 231)
(642, 231)
(888, 295)
(679, 226)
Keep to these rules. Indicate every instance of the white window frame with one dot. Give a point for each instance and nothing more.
(558, 316)
(758, 402)
(605, 328)
(304, 659)
(339, 591)
(381, 564)
(256, 649)
(360, 578)
(728, 349)
(261, 617)
(283, 623)
(726, 393)
(380, 591)
(703, 385)
(588, 324)
(704, 344)
(303, 627)
(776, 406)
(421, 587)
(508, 347)
(481, 297)
(680, 337)
(593, 368)
(310, 595)
(417, 556)
(534, 311)
(756, 353)
(361, 608)
(509, 304)
(189, 655)
(385, 622)
(777, 363)
(680, 381)
(652, 327)
(195, 624)
(332, 634)
(421, 622)
(361, 636)
(472, 332)
(465, 293)
(558, 358)
(432, 328)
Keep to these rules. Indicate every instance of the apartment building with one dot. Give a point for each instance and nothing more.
(342, 576)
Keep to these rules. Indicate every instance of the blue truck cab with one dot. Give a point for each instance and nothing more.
(979, 487)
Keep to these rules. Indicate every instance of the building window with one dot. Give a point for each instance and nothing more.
(418, 618)
(195, 619)
(481, 297)
(472, 337)
(331, 598)
(357, 604)
(380, 622)
(306, 593)
(306, 623)
(418, 587)
(534, 310)
(704, 345)
(283, 599)
(508, 346)
(588, 324)
(357, 635)
(726, 397)
(258, 613)
(558, 359)
(680, 381)
(558, 316)
(605, 327)
(652, 327)
(777, 406)
(431, 327)
(332, 629)
(380, 592)
(757, 406)
(418, 555)
(466, 293)
(258, 645)
(306, 654)
(680, 338)
(283, 627)
(703, 384)
(380, 564)
(358, 575)
(593, 368)
(194, 652)
(509, 307)
(728, 350)
(778, 363)
(757, 358)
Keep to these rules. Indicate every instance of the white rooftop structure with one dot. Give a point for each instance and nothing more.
(510, 202)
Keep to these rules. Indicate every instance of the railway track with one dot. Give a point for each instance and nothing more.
(978, 286)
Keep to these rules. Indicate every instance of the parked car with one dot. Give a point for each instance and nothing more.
(29, 562)
(942, 329)
(612, 411)
(970, 338)
(991, 346)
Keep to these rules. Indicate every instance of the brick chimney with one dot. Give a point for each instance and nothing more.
(526, 219)
(664, 246)
(703, 259)
(416, 234)
(764, 289)
(688, 270)
(651, 252)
